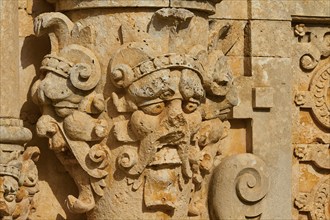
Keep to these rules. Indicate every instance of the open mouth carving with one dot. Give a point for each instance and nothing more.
(166, 155)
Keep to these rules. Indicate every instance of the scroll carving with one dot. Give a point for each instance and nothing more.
(316, 97)
(315, 203)
(316, 48)
(73, 111)
(316, 153)
(316, 45)
(238, 187)
(312, 153)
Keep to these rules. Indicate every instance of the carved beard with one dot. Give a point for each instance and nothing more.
(173, 134)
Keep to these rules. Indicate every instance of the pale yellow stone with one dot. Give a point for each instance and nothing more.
(190, 109)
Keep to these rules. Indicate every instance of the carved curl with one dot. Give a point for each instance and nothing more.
(86, 72)
(99, 154)
(250, 185)
(240, 181)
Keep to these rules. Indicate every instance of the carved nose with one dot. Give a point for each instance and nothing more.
(174, 108)
(54, 88)
(177, 121)
(175, 114)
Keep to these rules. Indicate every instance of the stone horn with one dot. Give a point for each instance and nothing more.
(57, 25)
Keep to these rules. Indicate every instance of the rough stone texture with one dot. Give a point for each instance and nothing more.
(310, 68)
(263, 97)
(18, 172)
(196, 109)
(9, 75)
(271, 44)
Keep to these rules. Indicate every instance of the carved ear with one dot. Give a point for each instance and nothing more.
(123, 104)
(57, 25)
(86, 73)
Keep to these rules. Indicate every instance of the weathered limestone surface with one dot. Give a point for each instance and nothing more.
(164, 109)
(18, 172)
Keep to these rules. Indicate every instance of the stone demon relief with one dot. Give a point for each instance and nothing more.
(158, 101)
(175, 129)
(18, 181)
(72, 108)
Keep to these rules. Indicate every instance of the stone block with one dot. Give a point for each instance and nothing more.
(236, 64)
(270, 10)
(232, 9)
(232, 36)
(244, 109)
(270, 38)
(263, 97)
(311, 8)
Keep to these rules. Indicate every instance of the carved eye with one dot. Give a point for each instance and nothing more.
(9, 197)
(189, 107)
(153, 109)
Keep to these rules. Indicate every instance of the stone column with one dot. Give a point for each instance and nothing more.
(9, 66)
(18, 174)
(11, 130)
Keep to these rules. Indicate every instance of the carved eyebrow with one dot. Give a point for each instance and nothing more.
(192, 89)
(160, 100)
(151, 102)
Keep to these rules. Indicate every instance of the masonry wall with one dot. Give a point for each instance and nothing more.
(264, 48)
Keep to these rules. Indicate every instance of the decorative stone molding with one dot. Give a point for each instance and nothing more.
(311, 197)
(316, 153)
(315, 203)
(315, 44)
(316, 97)
(202, 5)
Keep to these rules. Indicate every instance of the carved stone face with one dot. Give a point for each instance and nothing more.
(8, 191)
(167, 118)
(59, 91)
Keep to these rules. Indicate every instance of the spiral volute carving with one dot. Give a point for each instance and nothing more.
(240, 181)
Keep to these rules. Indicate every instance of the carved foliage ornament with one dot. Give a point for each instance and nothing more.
(316, 43)
(317, 98)
(315, 203)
